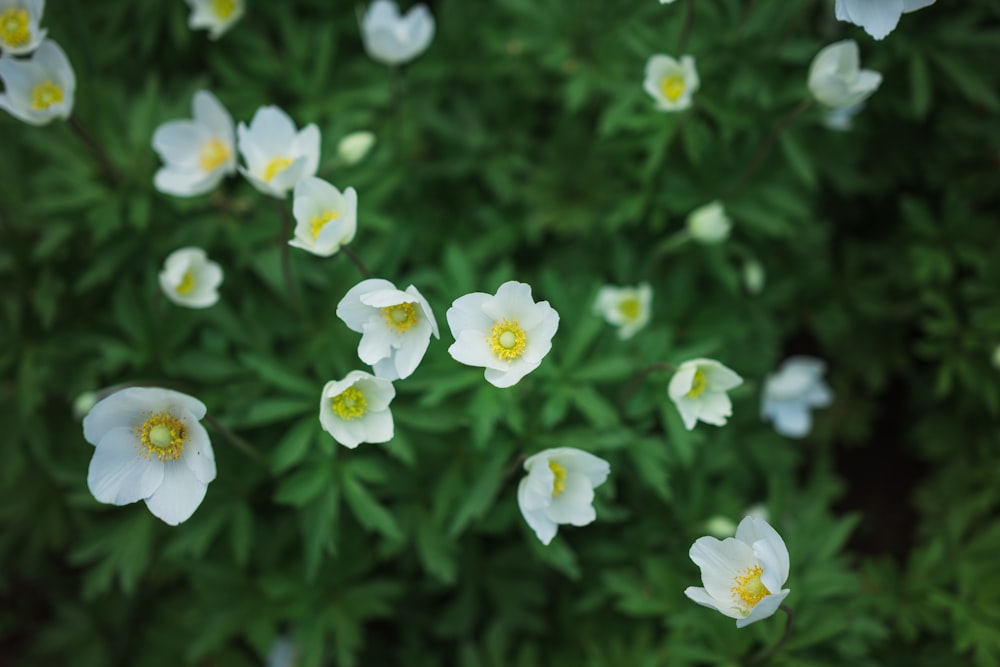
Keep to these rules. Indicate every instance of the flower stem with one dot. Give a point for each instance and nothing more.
(286, 262)
(639, 378)
(351, 255)
(768, 653)
(765, 149)
(94, 148)
(234, 439)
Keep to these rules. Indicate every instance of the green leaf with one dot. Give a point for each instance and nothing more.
(369, 512)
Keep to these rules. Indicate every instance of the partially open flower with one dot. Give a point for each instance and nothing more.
(19, 29)
(356, 409)
(698, 389)
(325, 219)
(835, 77)
(791, 394)
(197, 153)
(671, 83)
(709, 223)
(627, 308)
(877, 17)
(216, 16)
(40, 89)
(190, 279)
(559, 488)
(393, 39)
(276, 155)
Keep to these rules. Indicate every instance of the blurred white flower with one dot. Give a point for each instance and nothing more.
(197, 153)
(720, 526)
(753, 276)
(742, 575)
(698, 389)
(666, 2)
(83, 403)
(841, 119)
(19, 29)
(150, 446)
(559, 488)
(627, 308)
(283, 654)
(325, 219)
(835, 79)
(356, 409)
(758, 511)
(709, 223)
(217, 16)
(190, 279)
(396, 326)
(393, 39)
(996, 357)
(354, 147)
(671, 83)
(277, 157)
(507, 333)
(39, 89)
(877, 17)
(791, 393)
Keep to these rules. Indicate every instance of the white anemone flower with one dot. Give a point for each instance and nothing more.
(559, 488)
(743, 575)
(216, 16)
(507, 333)
(698, 389)
(150, 446)
(38, 89)
(276, 155)
(197, 153)
(356, 409)
(835, 77)
(190, 279)
(391, 38)
(355, 146)
(671, 83)
(19, 29)
(877, 17)
(709, 223)
(627, 308)
(325, 219)
(792, 392)
(395, 326)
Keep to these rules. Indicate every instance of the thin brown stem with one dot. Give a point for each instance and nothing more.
(768, 653)
(633, 386)
(351, 255)
(95, 149)
(234, 439)
(758, 159)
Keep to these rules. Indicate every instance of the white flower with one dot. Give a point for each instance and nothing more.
(354, 147)
(39, 89)
(325, 219)
(720, 526)
(396, 326)
(19, 31)
(742, 575)
(393, 39)
(627, 308)
(792, 392)
(709, 223)
(283, 654)
(877, 17)
(671, 83)
(356, 409)
(277, 157)
(835, 78)
(559, 488)
(996, 357)
(698, 389)
(753, 276)
(841, 119)
(664, 2)
(197, 153)
(508, 334)
(150, 446)
(190, 279)
(217, 16)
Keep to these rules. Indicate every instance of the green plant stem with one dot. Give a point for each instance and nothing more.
(633, 386)
(765, 148)
(234, 439)
(351, 255)
(768, 653)
(94, 148)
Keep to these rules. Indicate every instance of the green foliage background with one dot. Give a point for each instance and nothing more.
(519, 146)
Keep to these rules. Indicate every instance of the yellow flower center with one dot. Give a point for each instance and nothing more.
(186, 284)
(629, 307)
(350, 404)
(559, 481)
(698, 384)
(14, 27)
(223, 8)
(317, 224)
(161, 435)
(275, 167)
(45, 95)
(507, 340)
(747, 588)
(213, 154)
(401, 317)
(672, 86)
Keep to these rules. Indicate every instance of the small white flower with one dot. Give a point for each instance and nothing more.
(19, 30)
(559, 488)
(150, 446)
(83, 404)
(396, 326)
(753, 276)
(996, 357)
(325, 219)
(742, 575)
(709, 223)
(190, 279)
(841, 119)
(217, 16)
(835, 77)
(197, 153)
(627, 308)
(356, 409)
(507, 333)
(720, 526)
(698, 389)
(792, 392)
(39, 89)
(877, 17)
(283, 654)
(277, 157)
(354, 147)
(393, 39)
(671, 83)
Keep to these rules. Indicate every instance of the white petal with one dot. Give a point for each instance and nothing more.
(178, 496)
(352, 311)
(511, 376)
(766, 607)
(198, 455)
(752, 530)
(720, 561)
(466, 313)
(574, 504)
(378, 426)
(877, 17)
(178, 142)
(210, 113)
(306, 145)
(701, 596)
(545, 529)
(119, 474)
(792, 419)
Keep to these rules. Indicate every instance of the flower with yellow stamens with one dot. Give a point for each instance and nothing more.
(277, 156)
(190, 279)
(325, 219)
(356, 409)
(20, 33)
(627, 308)
(698, 389)
(671, 83)
(216, 16)
(559, 488)
(197, 153)
(38, 89)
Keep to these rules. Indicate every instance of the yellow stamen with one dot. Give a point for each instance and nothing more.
(213, 154)
(14, 30)
(161, 435)
(317, 224)
(629, 307)
(673, 86)
(747, 588)
(45, 95)
(699, 383)
(507, 340)
(186, 284)
(275, 167)
(349, 404)
(223, 8)
(559, 483)
(401, 317)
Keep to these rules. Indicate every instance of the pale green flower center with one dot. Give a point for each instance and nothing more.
(507, 340)
(223, 8)
(187, 284)
(672, 86)
(699, 383)
(629, 307)
(317, 224)
(45, 95)
(559, 479)
(350, 404)
(161, 435)
(401, 317)
(213, 154)
(747, 588)
(276, 166)
(14, 27)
